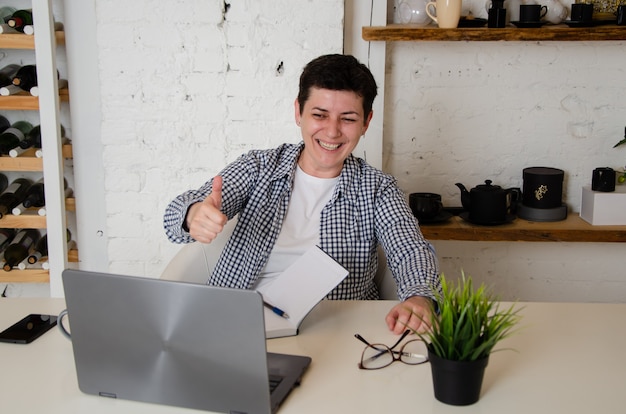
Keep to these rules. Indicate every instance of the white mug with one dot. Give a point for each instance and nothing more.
(446, 13)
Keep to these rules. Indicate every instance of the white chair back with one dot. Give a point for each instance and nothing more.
(194, 262)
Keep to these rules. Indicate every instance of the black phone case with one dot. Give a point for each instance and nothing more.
(28, 329)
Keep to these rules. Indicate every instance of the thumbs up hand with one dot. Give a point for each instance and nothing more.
(205, 219)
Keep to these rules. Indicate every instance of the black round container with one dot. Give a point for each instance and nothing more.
(543, 187)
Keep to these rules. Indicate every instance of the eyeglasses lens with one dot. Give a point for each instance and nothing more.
(414, 352)
(376, 356)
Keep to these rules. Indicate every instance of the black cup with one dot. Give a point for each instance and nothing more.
(496, 18)
(621, 15)
(530, 13)
(425, 206)
(581, 12)
(603, 179)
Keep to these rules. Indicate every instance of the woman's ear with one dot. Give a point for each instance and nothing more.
(367, 123)
(296, 106)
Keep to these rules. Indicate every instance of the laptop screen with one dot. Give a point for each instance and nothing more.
(168, 342)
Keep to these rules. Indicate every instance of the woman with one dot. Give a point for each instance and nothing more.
(315, 193)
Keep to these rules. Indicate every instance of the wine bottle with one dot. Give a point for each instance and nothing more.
(13, 195)
(42, 211)
(4, 124)
(35, 197)
(5, 13)
(6, 235)
(4, 182)
(41, 248)
(12, 136)
(61, 84)
(7, 74)
(9, 90)
(20, 247)
(33, 139)
(29, 29)
(26, 77)
(20, 18)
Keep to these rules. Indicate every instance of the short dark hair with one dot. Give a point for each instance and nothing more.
(340, 73)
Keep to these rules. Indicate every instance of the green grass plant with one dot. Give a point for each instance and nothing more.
(469, 321)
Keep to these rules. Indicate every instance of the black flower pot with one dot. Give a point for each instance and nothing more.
(457, 382)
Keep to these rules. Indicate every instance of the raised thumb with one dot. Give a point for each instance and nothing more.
(216, 192)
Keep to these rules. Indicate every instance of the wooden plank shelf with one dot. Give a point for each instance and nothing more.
(572, 229)
(26, 102)
(25, 276)
(561, 32)
(27, 162)
(35, 275)
(23, 41)
(30, 219)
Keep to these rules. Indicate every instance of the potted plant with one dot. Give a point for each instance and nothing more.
(466, 324)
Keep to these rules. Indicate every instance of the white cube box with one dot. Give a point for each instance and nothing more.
(604, 209)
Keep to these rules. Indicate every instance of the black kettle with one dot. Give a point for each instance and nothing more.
(489, 204)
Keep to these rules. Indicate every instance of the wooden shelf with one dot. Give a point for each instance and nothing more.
(30, 219)
(572, 229)
(23, 41)
(26, 102)
(27, 162)
(560, 32)
(32, 275)
(25, 276)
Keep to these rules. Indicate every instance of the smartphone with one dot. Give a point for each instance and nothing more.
(28, 329)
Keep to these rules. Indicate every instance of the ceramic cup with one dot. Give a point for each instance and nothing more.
(496, 18)
(446, 13)
(412, 12)
(531, 13)
(425, 206)
(581, 12)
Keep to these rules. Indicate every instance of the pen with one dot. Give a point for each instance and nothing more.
(276, 310)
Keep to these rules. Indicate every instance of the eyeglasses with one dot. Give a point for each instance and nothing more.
(376, 356)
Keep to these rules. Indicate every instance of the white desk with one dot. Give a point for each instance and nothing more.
(571, 359)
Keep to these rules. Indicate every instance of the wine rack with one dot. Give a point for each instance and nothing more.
(44, 43)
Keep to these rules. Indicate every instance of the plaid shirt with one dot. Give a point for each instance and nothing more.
(366, 208)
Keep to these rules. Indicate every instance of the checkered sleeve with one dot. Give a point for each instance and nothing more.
(176, 213)
(410, 257)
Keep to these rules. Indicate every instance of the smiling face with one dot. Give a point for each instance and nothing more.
(332, 122)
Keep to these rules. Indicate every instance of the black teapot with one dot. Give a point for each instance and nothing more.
(489, 204)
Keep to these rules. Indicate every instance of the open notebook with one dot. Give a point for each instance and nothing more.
(298, 289)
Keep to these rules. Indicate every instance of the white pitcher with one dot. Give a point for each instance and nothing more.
(556, 13)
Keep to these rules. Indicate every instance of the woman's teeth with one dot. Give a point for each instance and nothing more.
(329, 147)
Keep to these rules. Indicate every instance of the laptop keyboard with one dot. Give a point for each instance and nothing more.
(274, 381)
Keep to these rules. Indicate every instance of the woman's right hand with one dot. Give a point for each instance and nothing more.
(205, 219)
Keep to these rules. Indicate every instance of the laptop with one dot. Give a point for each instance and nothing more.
(175, 343)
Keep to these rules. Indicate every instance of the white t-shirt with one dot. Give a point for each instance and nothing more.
(301, 226)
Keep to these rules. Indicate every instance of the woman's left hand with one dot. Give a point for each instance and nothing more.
(414, 314)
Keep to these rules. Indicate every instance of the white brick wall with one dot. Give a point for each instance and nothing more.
(185, 89)
(470, 111)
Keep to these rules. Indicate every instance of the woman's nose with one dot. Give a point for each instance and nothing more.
(333, 129)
